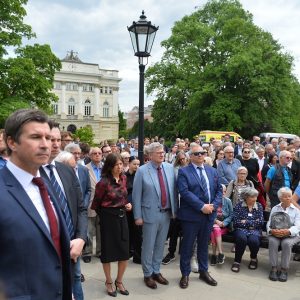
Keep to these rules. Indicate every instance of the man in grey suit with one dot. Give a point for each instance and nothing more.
(154, 203)
(74, 210)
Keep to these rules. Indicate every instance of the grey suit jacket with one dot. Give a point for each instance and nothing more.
(146, 194)
(74, 197)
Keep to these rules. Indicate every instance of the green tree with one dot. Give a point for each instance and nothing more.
(221, 71)
(148, 129)
(27, 79)
(85, 135)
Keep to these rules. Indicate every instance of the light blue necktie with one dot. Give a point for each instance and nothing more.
(203, 182)
(62, 201)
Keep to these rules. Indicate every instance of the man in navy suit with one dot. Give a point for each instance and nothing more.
(201, 193)
(35, 246)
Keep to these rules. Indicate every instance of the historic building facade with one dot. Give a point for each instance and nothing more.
(87, 95)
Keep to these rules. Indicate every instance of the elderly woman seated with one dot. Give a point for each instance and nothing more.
(283, 228)
(248, 221)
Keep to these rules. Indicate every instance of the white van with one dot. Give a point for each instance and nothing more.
(271, 135)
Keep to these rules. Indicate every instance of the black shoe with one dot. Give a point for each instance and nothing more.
(86, 259)
(124, 291)
(168, 258)
(112, 293)
(184, 282)
(213, 260)
(283, 276)
(273, 275)
(207, 278)
(82, 279)
(221, 259)
(136, 260)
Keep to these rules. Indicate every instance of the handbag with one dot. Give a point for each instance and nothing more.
(280, 220)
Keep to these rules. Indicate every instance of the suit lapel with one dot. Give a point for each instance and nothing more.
(195, 174)
(19, 194)
(92, 175)
(154, 178)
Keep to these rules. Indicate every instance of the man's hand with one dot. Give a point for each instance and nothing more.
(139, 222)
(207, 209)
(280, 233)
(128, 207)
(76, 247)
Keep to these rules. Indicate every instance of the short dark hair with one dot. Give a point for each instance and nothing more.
(15, 122)
(109, 164)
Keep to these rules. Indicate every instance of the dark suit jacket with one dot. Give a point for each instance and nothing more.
(85, 183)
(295, 169)
(192, 194)
(30, 267)
(74, 197)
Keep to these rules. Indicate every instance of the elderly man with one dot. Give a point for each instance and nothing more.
(285, 237)
(278, 176)
(201, 193)
(227, 168)
(154, 202)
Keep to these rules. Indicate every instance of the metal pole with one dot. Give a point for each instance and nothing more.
(141, 114)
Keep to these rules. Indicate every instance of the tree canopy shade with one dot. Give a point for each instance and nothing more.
(220, 71)
(27, 79)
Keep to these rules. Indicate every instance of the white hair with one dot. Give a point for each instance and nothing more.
(64, 157)
(153, 147)
(284, 190)
(71, 147)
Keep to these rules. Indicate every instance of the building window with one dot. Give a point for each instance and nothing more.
(87, 107)
(71, 106)
(101, 89)
(57, 85)
(105, 90)
(110, 90)
(88, 88)
(71, 86)
(55, 109)
(105, 109)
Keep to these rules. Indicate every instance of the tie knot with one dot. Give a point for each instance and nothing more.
(38, 181)
(50, 167)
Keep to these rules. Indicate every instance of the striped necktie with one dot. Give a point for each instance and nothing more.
(203, 182)
(62, 201)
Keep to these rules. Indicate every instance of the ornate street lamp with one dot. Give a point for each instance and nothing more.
(142, 34)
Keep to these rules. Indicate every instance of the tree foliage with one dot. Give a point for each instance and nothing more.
(85, 135)
(27, 79)
(220, 71)
(148, 129)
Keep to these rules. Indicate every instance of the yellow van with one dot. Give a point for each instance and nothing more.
(207, 135)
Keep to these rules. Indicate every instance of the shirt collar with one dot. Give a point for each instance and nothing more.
(196, 166)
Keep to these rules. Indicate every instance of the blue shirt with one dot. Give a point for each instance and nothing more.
(97, 171)
(271, 174)
(2, 162)
(227, 171)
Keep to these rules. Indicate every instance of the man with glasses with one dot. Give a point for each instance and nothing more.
(66, 138)
(278, 176)
(227, 168)
(201, 193)
(95, 169)
(105, 150)
(154, 200)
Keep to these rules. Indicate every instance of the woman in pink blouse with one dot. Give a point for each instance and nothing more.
(110, 203)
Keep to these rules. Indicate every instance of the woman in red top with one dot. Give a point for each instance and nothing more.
(110, 203)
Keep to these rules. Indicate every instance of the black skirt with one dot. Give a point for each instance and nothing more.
(114, 235)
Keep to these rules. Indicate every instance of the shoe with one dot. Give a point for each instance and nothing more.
(235, 267)
(150, 283)
(160, 279)
(253, 264)
(273, 275)
(184, 282)
(111, 293)
(82, 279)
(194, 265)
(168, 258)
(124, 291)
(87, 259)
(213, 260)
(207, 278)
(282, 276)
(221, 259)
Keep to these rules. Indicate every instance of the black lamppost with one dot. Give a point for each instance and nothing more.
(142, 34)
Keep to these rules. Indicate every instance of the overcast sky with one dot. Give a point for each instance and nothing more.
(97, 30)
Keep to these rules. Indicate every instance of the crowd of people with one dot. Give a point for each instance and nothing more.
(59, 196)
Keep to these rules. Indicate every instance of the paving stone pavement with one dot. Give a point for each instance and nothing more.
(246, 285)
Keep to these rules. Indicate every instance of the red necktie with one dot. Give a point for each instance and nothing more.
(162, 188)
(50, 213)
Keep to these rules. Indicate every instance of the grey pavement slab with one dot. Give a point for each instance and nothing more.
(246, 285)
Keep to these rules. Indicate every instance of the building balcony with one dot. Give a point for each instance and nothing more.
(88, 117)
(72, 117)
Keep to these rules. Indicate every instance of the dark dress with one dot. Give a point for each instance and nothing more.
(109, 203)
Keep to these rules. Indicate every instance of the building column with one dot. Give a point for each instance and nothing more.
(115, 102)
(80, 111)
(97, 102)
(63, 99)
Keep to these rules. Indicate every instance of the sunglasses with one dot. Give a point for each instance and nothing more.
(199, 153)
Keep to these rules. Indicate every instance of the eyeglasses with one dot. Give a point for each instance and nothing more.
(256, 140)
(199, 153)
(288, 157)
(231, 152)
(247, 152)
(76, 153)
(242, 173)
(109, 151)
(221, 153)
(159, 153)
(95, 153)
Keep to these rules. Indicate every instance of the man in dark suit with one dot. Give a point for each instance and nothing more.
(66, 186)
(201, 193)
(35, 247)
